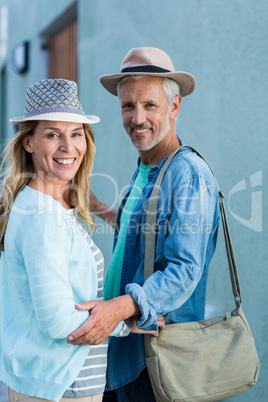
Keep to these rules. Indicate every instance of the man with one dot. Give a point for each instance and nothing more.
(150, 93)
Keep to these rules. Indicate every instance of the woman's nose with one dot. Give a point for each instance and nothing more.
(66, 145)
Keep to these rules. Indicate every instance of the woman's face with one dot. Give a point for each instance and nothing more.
(57, 149)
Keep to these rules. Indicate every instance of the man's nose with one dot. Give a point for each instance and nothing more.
(138, 116)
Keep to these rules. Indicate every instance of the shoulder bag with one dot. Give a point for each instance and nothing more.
(209, 360)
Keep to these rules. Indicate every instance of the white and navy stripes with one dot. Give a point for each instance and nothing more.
(92, 377)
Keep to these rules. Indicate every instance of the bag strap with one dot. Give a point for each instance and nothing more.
(150, 237)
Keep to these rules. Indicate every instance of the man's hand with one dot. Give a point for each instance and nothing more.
(100, 324)
(104, 318)
(102, 210)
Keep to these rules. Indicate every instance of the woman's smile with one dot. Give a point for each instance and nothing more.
(65, 162)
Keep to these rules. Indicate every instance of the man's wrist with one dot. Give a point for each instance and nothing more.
(126, 306)
(105, 212)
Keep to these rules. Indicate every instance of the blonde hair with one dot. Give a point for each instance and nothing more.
(17, 169)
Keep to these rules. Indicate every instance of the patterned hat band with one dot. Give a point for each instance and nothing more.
(54, 99)
(53, 110)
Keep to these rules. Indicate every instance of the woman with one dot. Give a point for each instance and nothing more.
(49, 262)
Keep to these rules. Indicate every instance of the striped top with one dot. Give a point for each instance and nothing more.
(92, 377)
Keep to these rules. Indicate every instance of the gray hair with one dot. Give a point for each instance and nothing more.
(170, 87)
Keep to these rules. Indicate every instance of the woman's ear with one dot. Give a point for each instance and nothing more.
(26, 142)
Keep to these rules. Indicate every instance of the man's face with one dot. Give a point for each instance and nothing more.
(145, 111)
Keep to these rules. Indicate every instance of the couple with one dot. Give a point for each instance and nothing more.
(53, 346)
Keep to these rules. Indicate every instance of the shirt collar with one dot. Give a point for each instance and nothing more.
(152, 172)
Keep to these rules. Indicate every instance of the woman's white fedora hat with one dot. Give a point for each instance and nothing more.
(149, 61)
(56, 100)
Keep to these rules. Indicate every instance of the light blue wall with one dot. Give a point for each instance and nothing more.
(27, 19)
(222, 43)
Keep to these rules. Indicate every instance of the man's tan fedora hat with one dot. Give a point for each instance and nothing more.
(149, 61)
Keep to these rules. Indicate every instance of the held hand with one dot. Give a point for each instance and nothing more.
(136, 330)
(100, 324)
(161, 323)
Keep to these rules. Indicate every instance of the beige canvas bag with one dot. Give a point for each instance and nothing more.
(208, 360)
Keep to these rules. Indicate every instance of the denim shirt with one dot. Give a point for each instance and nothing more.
(187, 225)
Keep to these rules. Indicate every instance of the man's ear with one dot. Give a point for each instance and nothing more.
(175, 107)
(27, 144)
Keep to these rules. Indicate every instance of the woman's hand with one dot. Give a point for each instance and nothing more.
(135, 330)
(161, 323)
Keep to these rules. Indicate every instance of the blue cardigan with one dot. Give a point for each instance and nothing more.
(47, 267)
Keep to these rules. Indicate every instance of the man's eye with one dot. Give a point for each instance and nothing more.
(127, 106)
(150, 105)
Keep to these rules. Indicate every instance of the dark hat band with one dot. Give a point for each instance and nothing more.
(145, 69)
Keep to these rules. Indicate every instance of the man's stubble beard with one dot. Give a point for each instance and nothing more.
(155, 141)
